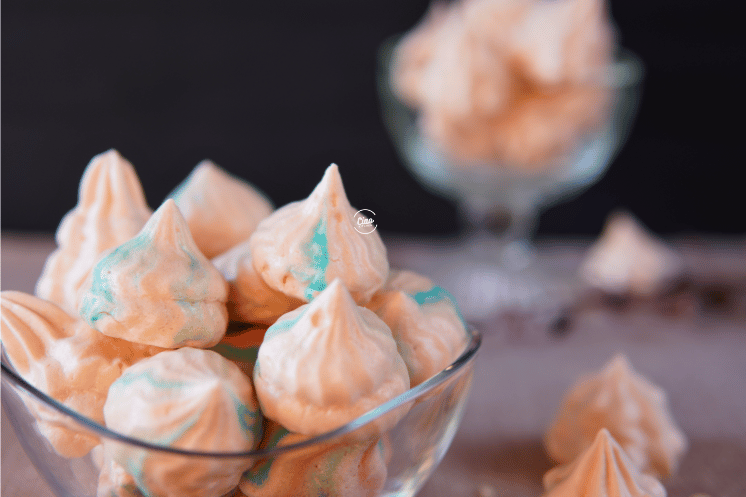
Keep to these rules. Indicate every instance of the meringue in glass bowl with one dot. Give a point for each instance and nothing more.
(491, 268)
(350, 460)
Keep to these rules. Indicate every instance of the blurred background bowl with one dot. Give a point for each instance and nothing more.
(500, 203)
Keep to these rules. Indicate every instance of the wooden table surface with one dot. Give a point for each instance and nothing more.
(697, 352)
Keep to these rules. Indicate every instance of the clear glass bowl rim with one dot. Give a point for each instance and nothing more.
(467, 356)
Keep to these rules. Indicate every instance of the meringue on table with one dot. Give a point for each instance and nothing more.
(627, 258)
(326, 363)
(602, 470)
(220, 209)
(158, 288)
(111, 209)
(631, 408)
(66, 359)
(305, 245)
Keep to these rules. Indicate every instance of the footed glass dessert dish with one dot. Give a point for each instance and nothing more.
(350, 460)
(490, 267)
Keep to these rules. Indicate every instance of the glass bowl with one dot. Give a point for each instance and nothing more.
(351, 460)
(499, 203)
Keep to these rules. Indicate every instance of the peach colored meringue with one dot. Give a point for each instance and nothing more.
(190, 399)
(66, 359)
(535, 132)
(326, 363)
(414, 52)
(158, 288)
(250, 299)
(566, 41)
(425, 322)
(111, 209)
(518, 83)
(305, 245)
(329, 469)
(602, 470)
(220, 209)
(634, 410)
(627, 258)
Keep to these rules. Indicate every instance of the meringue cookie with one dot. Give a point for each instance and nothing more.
(628, 258)
(66, 359)
(534, 132)
(250, 299)
(111, 209)
(304, 246)
(220, 209)
(568, 41)
(413, 54)
(190, 399)
(326, 363)
(635, 412)
(329, 469)
(158, 288)
(464, 77)
(427, 326)
(602, 470)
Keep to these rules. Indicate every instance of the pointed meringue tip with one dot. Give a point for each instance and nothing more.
(207, 166)
(335, 294)
(110, 154)
(331, 187)
(104, 159)
(620, 362)
(603, 436)
(168, 214)
(331, 177)
(167, 209)
(207, 163)
(111, 159)
(102, 168)
(336, 289)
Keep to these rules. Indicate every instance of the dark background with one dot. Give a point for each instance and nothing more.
(274, 91)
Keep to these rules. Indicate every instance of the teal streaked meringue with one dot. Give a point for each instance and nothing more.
(425, 321)
(158, 288)
(191, 399)
(331, 469)
(326, 363)
(305, 245)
